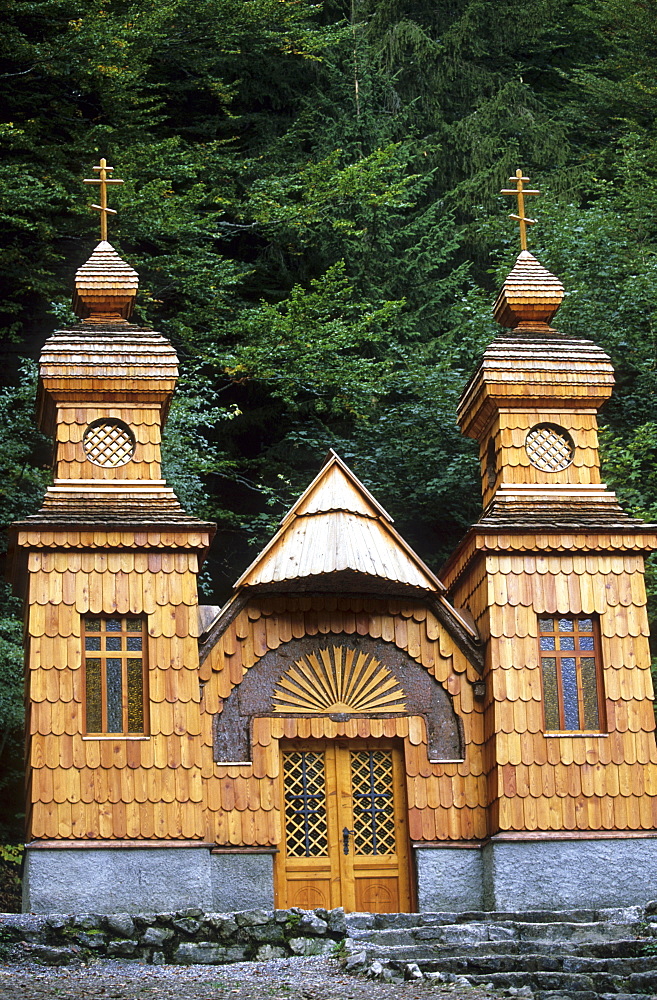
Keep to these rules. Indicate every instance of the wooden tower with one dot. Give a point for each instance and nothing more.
(553, 575)
(108, 566)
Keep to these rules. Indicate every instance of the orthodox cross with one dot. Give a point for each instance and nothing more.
(520, 193)
(103, 180)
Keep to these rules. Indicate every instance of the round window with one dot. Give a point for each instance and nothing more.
(550, 448)
(108, 443)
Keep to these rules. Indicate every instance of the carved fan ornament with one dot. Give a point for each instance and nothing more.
(338, 680)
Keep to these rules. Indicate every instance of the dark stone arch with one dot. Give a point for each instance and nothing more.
(254, 697)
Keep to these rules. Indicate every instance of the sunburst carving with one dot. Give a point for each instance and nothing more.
(338, 680)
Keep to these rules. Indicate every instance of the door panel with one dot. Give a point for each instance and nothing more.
(376, 861)
(346, 841)
(310, 859)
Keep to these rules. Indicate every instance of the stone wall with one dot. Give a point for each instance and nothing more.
(183, 937)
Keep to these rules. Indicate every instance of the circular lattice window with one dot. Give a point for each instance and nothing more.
(550, 448)
(109, 443)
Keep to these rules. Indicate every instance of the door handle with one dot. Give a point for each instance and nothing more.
(345, 839)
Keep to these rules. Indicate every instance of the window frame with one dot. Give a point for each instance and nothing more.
(125, 655)
(577, 654)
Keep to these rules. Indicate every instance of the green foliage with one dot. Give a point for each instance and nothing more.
(11, 857)
(22, 480)
(339, 950)
(12, 853)
(630, 464)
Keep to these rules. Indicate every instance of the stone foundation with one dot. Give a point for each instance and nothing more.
(502, 874)
(564, 873)
(550, 874)
(131, 879)
(449, 878)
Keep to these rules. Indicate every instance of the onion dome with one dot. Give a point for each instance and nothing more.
(105, 287)
(529, 297)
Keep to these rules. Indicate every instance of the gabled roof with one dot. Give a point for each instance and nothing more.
(337, 537)
(338, 528)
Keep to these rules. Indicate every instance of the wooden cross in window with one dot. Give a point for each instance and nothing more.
(103, 180)
(520, 193)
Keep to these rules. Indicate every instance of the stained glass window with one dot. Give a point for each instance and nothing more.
(570, 665)
(114, 674)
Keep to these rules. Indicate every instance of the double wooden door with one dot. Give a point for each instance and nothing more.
(345, 839)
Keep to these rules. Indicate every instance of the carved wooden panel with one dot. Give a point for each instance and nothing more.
(338, 680)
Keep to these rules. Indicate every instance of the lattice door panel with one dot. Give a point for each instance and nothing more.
(304, 784)
(373, 802)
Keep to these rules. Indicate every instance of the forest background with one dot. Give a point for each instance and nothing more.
(311, 199)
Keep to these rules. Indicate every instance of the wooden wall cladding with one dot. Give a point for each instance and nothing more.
(543, 782)
(144, 422)
(167, 786)
(446, 800)
(472, 594)
(509, 432)
(114, 788)
(542, 544)
(106, 544)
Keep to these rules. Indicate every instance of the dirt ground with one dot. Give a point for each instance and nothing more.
(282, 979)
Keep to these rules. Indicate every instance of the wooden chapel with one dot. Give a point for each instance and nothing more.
(350, 729)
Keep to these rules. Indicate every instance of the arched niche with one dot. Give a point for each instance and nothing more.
(341, 677)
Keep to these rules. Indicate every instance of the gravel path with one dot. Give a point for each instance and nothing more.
(282, 979)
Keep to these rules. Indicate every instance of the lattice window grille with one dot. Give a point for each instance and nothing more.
(306, 831)
(108, 443)
(549, 448)
(373, 798)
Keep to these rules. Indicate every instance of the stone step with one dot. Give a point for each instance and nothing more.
(569, 984)
(622, 948)
(382, 921)
(534, 962)
(607, 996)
(431, 957)
(470, 933)
(643, 982)
(556, 995)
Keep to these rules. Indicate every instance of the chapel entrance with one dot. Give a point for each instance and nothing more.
(345, 837)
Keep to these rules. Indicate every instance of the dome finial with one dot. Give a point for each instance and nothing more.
(105, 287)
(531, 295)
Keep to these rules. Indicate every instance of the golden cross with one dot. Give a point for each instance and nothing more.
(520, 193)
(103, 180)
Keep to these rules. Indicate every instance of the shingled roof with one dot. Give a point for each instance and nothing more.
(338, 529)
